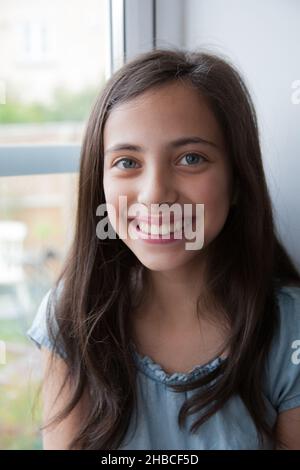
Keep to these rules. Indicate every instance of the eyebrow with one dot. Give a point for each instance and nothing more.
(174, 144)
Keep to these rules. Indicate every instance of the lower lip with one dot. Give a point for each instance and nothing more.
(157, 239)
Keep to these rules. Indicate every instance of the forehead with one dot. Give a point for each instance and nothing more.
(163, 113)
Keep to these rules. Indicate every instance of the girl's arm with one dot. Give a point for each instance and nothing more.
(57, 436)
(288, 429)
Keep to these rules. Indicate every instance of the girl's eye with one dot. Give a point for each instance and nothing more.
(125, 160)
(129, 163)
(193, 161)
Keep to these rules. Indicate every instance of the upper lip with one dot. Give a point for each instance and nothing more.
(157, 221)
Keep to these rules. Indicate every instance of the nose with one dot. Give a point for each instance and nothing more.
(157, 187)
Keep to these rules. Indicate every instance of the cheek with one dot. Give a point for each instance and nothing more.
(111, 198)
(115, 187)
(214, 192)
(117, 211)
(112, 190)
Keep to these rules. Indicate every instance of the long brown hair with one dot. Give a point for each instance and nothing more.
(246, 264)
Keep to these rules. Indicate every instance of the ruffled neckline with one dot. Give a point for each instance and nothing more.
(155, 371)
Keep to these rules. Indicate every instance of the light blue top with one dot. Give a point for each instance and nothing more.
(229, 428)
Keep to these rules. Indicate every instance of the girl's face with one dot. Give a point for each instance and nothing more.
(149, 170)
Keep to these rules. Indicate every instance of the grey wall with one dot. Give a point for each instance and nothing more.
(262, 37)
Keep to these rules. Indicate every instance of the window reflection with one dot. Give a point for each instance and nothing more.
(37, 216)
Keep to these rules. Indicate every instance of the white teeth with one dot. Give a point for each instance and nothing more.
(178, 226)
(163, 229)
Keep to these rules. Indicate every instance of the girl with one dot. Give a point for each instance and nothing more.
(150, 345)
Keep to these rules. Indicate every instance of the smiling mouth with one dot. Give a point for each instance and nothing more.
(163, 229)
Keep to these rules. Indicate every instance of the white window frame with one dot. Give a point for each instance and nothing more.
(135, 26)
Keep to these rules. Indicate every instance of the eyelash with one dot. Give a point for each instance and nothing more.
(190, 153)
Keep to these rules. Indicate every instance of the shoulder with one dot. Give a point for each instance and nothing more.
(283, 364)
(46, 309)
(288, 295)
(288, 299)
(45, 319)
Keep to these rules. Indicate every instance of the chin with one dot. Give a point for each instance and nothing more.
(162, 262)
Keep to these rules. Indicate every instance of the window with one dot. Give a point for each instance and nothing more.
(53, 59)
(36, 223)
(53, 63)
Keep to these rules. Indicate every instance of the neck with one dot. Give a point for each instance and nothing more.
(172, 295)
